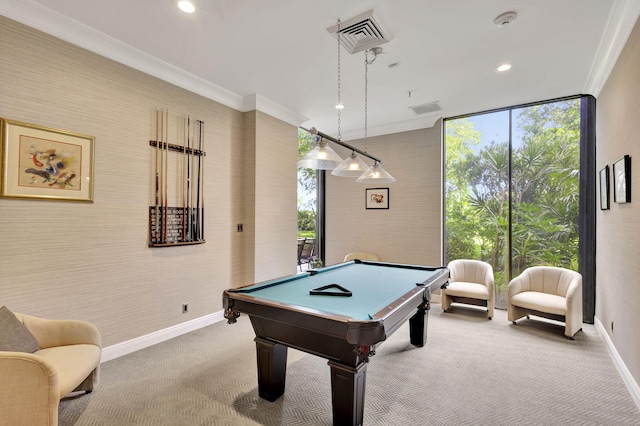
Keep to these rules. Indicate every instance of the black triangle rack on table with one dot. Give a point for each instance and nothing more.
(331, 290)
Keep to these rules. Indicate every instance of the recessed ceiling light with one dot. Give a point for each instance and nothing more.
(504, 67)
(339, 106)
(186, 6)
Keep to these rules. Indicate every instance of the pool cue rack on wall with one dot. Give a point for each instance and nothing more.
(178, 224)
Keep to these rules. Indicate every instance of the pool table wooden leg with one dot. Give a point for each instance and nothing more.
(347, 393)
(418, 326)
(272, 368)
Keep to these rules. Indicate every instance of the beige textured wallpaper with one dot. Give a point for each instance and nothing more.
(91, 261)
(410, 230)
(618, 229)
(276, 217)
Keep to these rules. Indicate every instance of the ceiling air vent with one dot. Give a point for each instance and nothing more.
(360, 33)
(426, 108)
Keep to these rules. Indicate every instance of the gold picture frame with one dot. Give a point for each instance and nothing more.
(41, 162)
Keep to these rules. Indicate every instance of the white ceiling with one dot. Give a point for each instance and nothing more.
(277, 55)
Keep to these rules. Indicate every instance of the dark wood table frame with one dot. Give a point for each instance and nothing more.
(346, 343)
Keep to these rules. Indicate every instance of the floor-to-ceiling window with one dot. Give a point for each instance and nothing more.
(307, 205)
(512, 185)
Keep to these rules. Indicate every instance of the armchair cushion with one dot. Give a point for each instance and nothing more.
(541, 302)
(14, 336)
(73, 364)
(472, 290)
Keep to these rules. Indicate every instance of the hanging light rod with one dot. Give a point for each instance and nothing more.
(313, 131)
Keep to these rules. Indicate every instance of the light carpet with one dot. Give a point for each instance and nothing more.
(472, 371)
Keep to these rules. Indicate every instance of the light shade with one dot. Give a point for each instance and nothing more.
(352, 166)
(376, 174)
(321, 157)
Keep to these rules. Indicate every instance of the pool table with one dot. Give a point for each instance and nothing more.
(339, 313)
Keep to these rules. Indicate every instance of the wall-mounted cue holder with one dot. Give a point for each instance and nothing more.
(177, 218)
(177, 148)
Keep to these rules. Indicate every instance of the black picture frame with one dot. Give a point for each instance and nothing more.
(376, 198)
(622, 180)
(604, 188)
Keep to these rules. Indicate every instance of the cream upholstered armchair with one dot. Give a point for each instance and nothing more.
(548, 292)
(470, 282)
(362, 256)
(41, 361)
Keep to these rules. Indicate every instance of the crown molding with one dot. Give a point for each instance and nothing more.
(260, 103)
(620, 23)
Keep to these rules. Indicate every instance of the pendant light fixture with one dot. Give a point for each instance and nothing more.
(352, 166)
(321, 157)
(375, 174)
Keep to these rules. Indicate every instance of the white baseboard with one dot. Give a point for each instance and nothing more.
(133, 345)
(627, 378)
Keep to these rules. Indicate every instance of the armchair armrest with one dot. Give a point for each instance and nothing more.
(490, 281)
(572, 291)
(30, 390)
(50, 332)
(517, 285)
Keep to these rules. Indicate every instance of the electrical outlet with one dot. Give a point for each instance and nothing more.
(239, 227)
(185, 308)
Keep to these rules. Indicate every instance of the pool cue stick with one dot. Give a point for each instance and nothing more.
(198, 222)
(166, 173)
(163, 173)
(193, 169)
(161, 145)
(202, 174)
(157, 208)
(161, 217)
(187, 217)
(184, 184)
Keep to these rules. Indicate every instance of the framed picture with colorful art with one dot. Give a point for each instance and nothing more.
(46, 163)
(377, 198)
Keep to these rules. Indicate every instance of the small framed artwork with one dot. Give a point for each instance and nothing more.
(604, 188)
(622, 180)
(40, 162)
(377, 198)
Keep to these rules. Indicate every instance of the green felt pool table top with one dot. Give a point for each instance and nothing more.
(373, 285)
